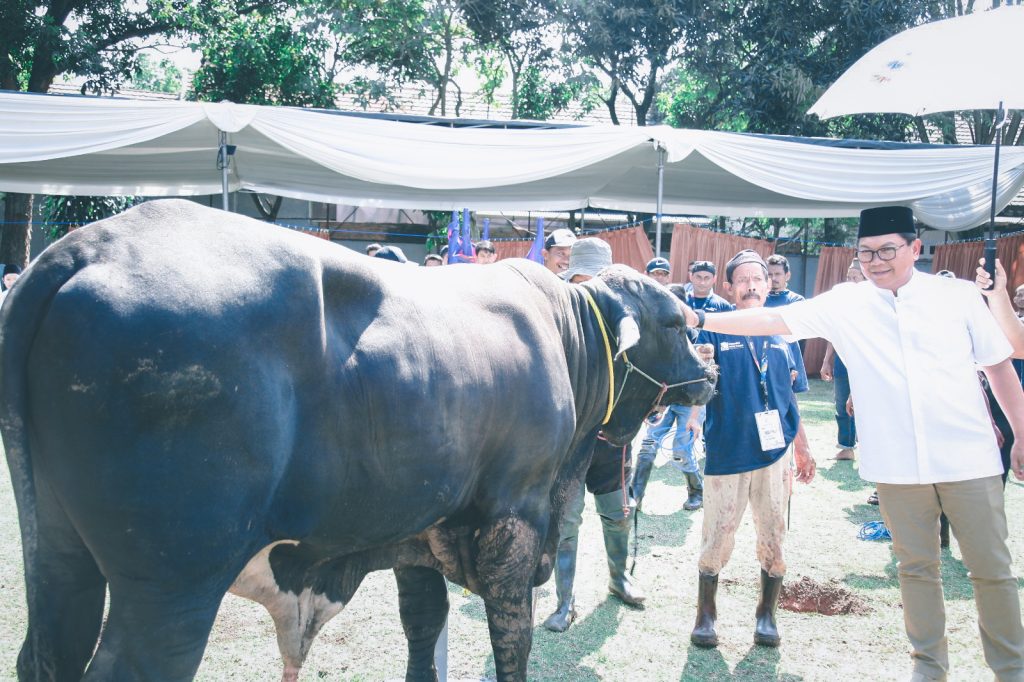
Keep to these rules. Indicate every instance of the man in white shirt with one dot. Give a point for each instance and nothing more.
(912, 343)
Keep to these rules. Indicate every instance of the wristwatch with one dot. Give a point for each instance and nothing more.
(700, 317)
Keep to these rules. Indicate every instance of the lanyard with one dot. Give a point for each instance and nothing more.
(761, 367)
(703, 305)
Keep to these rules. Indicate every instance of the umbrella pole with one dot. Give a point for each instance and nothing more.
(661, 189)
(990, 239)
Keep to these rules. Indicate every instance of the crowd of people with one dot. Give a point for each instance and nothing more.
(907, 349)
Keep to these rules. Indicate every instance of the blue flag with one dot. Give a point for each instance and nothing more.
(487, 229)
(538, 243)
(467, 239)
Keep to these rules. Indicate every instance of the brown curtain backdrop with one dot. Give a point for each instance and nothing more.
(962, 259)
(630, 246)
(833, 263)
(694, 243)
(513, 248)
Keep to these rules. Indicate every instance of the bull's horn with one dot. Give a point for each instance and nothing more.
(629, 335)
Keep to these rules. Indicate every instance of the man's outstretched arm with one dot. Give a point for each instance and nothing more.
(749, 322)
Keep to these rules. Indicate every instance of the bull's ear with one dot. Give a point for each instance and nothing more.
(629, 335)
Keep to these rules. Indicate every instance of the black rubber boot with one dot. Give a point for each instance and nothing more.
(765, 632)
(565, 575)
(704, 634)
(641, 474)
(616, 525)
(695, 490)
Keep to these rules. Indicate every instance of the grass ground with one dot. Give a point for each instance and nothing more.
(610, 641)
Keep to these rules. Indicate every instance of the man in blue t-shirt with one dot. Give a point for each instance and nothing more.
(779, 295)
(751, 422)
(701, 296)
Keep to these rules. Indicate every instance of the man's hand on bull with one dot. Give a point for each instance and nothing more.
(691, 317)
(706, 352)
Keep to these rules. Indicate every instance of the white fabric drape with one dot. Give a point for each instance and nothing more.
(86, 145)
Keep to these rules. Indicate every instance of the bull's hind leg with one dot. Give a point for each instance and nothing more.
(508, 552)
(423, 604)
(66, 594)
(155, 631)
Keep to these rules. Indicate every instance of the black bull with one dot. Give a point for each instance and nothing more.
(193, 402)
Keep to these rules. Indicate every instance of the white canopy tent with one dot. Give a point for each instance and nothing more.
(97, 146)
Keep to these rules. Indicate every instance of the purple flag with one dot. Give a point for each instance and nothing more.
(538, 243)
(467, 239)
(453, 242)
(487, 229)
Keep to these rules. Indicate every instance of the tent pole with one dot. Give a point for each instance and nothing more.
(224, 152)
(661, 189)
(990, 238)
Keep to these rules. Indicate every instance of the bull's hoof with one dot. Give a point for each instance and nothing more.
(628, 593)
(561, 619)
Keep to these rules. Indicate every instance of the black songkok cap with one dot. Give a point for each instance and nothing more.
(875, 222)
(742, 258)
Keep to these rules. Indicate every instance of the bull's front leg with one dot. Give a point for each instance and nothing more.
(507, 554)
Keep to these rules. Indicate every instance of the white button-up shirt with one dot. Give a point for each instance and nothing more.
(912, 360)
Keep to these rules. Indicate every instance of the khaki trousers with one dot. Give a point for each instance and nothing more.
(978, 520)
(725, 500)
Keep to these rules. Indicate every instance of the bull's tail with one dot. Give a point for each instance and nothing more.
(20, 318)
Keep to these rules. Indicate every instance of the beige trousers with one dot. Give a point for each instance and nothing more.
(725, 500)
(978, 520)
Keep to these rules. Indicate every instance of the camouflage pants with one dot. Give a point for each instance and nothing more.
(725, 500)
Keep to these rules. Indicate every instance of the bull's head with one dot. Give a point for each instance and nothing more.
(655, 363)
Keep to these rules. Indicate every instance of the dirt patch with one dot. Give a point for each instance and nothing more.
(829, 599)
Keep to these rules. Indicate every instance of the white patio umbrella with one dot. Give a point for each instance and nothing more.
(968, 62)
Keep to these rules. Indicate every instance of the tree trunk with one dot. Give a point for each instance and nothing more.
(14, 239)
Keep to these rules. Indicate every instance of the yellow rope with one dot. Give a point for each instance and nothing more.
(608, 353)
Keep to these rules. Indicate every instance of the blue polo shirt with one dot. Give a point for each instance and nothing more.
(784, 297)
(733, 446)
(781, 298)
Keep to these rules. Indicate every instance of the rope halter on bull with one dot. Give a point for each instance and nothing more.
(613, 399)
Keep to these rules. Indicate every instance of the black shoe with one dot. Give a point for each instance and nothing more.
(695, 492)
(704, 634)
(766, 633)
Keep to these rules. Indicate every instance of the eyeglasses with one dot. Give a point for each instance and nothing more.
(884, 253)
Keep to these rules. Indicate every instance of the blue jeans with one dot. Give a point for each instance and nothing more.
(682, 443)
(847, 425)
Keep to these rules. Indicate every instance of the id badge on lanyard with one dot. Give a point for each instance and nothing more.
(769, 424)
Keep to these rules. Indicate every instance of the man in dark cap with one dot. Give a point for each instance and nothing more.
(751, 422)
(659, 270)
(392, 253)
(912, 343)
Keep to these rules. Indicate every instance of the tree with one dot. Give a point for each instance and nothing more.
(630, 43)
(162, 76)
(97, 39)
(264, 57)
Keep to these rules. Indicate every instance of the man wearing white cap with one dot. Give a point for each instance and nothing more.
(604, 481)
(557, 249)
